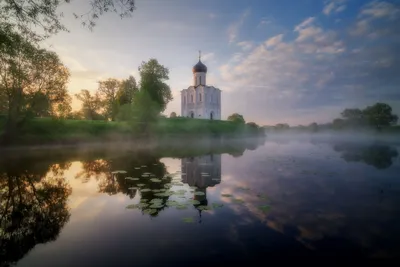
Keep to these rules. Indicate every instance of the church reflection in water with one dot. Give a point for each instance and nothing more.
(201, 172)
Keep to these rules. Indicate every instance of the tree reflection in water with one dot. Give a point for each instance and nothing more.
(378, 155)
(33, 206)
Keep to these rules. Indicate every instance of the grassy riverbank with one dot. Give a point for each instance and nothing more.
(43, 131)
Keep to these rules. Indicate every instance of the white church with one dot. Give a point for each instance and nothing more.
(200, 100)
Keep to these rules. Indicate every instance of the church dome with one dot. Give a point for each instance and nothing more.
(199, 67)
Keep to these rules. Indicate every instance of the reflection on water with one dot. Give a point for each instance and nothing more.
(380, 156)
(201, 172)
(237, 202)
(33, 207)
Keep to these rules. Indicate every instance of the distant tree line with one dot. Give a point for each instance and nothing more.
(378, 116)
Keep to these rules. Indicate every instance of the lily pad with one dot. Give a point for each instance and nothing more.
(156, 200)
(172, 203)
(181, 207)
(137, 168)
(217, 205)
(144, 200)
(132, 188)
(194, 202)
(238, 200)
(265, 208)
(188, 220)
(119, 171)
(155, 180)
(262, 196)
(140, 185)
(145, 190)
(204, 208)
(180, 192)
(244, 188)
(150, 211)
(131, 206)
(143, 166)
(199, 193)
(226, 195)
(156, 206)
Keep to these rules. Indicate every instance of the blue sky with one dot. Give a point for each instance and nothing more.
(275, 60)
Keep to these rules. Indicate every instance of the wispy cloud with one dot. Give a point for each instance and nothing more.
(233, 29)
(334, 6)
(318, 69)
(245, 45)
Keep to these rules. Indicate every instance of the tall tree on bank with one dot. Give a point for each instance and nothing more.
(127, 90)
(22, 15)
(380, 115)
(108, 90)
(29, 76)
(237, 118)
(91, 105)
(152, 80)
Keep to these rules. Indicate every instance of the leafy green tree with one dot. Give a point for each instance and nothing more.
(338, 123)
(42, 14)
(172, 115)
(107, 91)
(380, 115)
(91, 105)
(152, 81)
(127, 90)
(29, 77)
(237, 118)
(313, 127)
(145, 111)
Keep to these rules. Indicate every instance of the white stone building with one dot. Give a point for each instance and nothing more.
(200, 100)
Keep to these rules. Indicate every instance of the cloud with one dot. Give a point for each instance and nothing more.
(208, 57)
(318, 72)
(245, 45)
(234, 28)
(334, 6)
(273, 41)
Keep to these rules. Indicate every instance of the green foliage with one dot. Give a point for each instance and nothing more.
(107, 92)
(127, 90)
(380, 115)
(145, 111)
(237, 118)
(91, 105)
(152, 81)
(32, 80)
(125, 113)
(22, 15)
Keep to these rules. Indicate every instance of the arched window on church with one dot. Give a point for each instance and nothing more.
(191, 98)
(184, 100)
(200, 81)
(200, 97)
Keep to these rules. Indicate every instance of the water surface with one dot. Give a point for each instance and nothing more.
(230, 204)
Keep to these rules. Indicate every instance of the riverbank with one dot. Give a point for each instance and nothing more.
(52, 132)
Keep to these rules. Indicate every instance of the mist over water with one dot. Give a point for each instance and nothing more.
(216, 202)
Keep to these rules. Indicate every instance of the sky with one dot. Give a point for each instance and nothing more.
(276, 61)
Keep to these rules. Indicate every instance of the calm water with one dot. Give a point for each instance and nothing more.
(228, 205)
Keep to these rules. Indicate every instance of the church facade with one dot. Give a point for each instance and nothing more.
(201, 101)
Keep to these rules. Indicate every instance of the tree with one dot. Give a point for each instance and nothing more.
(152, 81)
(127, 90)
(172, 115)
(313, 127)
(380, 115)
(338, 123)
(237, 118)
(353, 117)
(31, 79)
(145, 111)
(108, 93)
(91, 105)
(22, 15)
